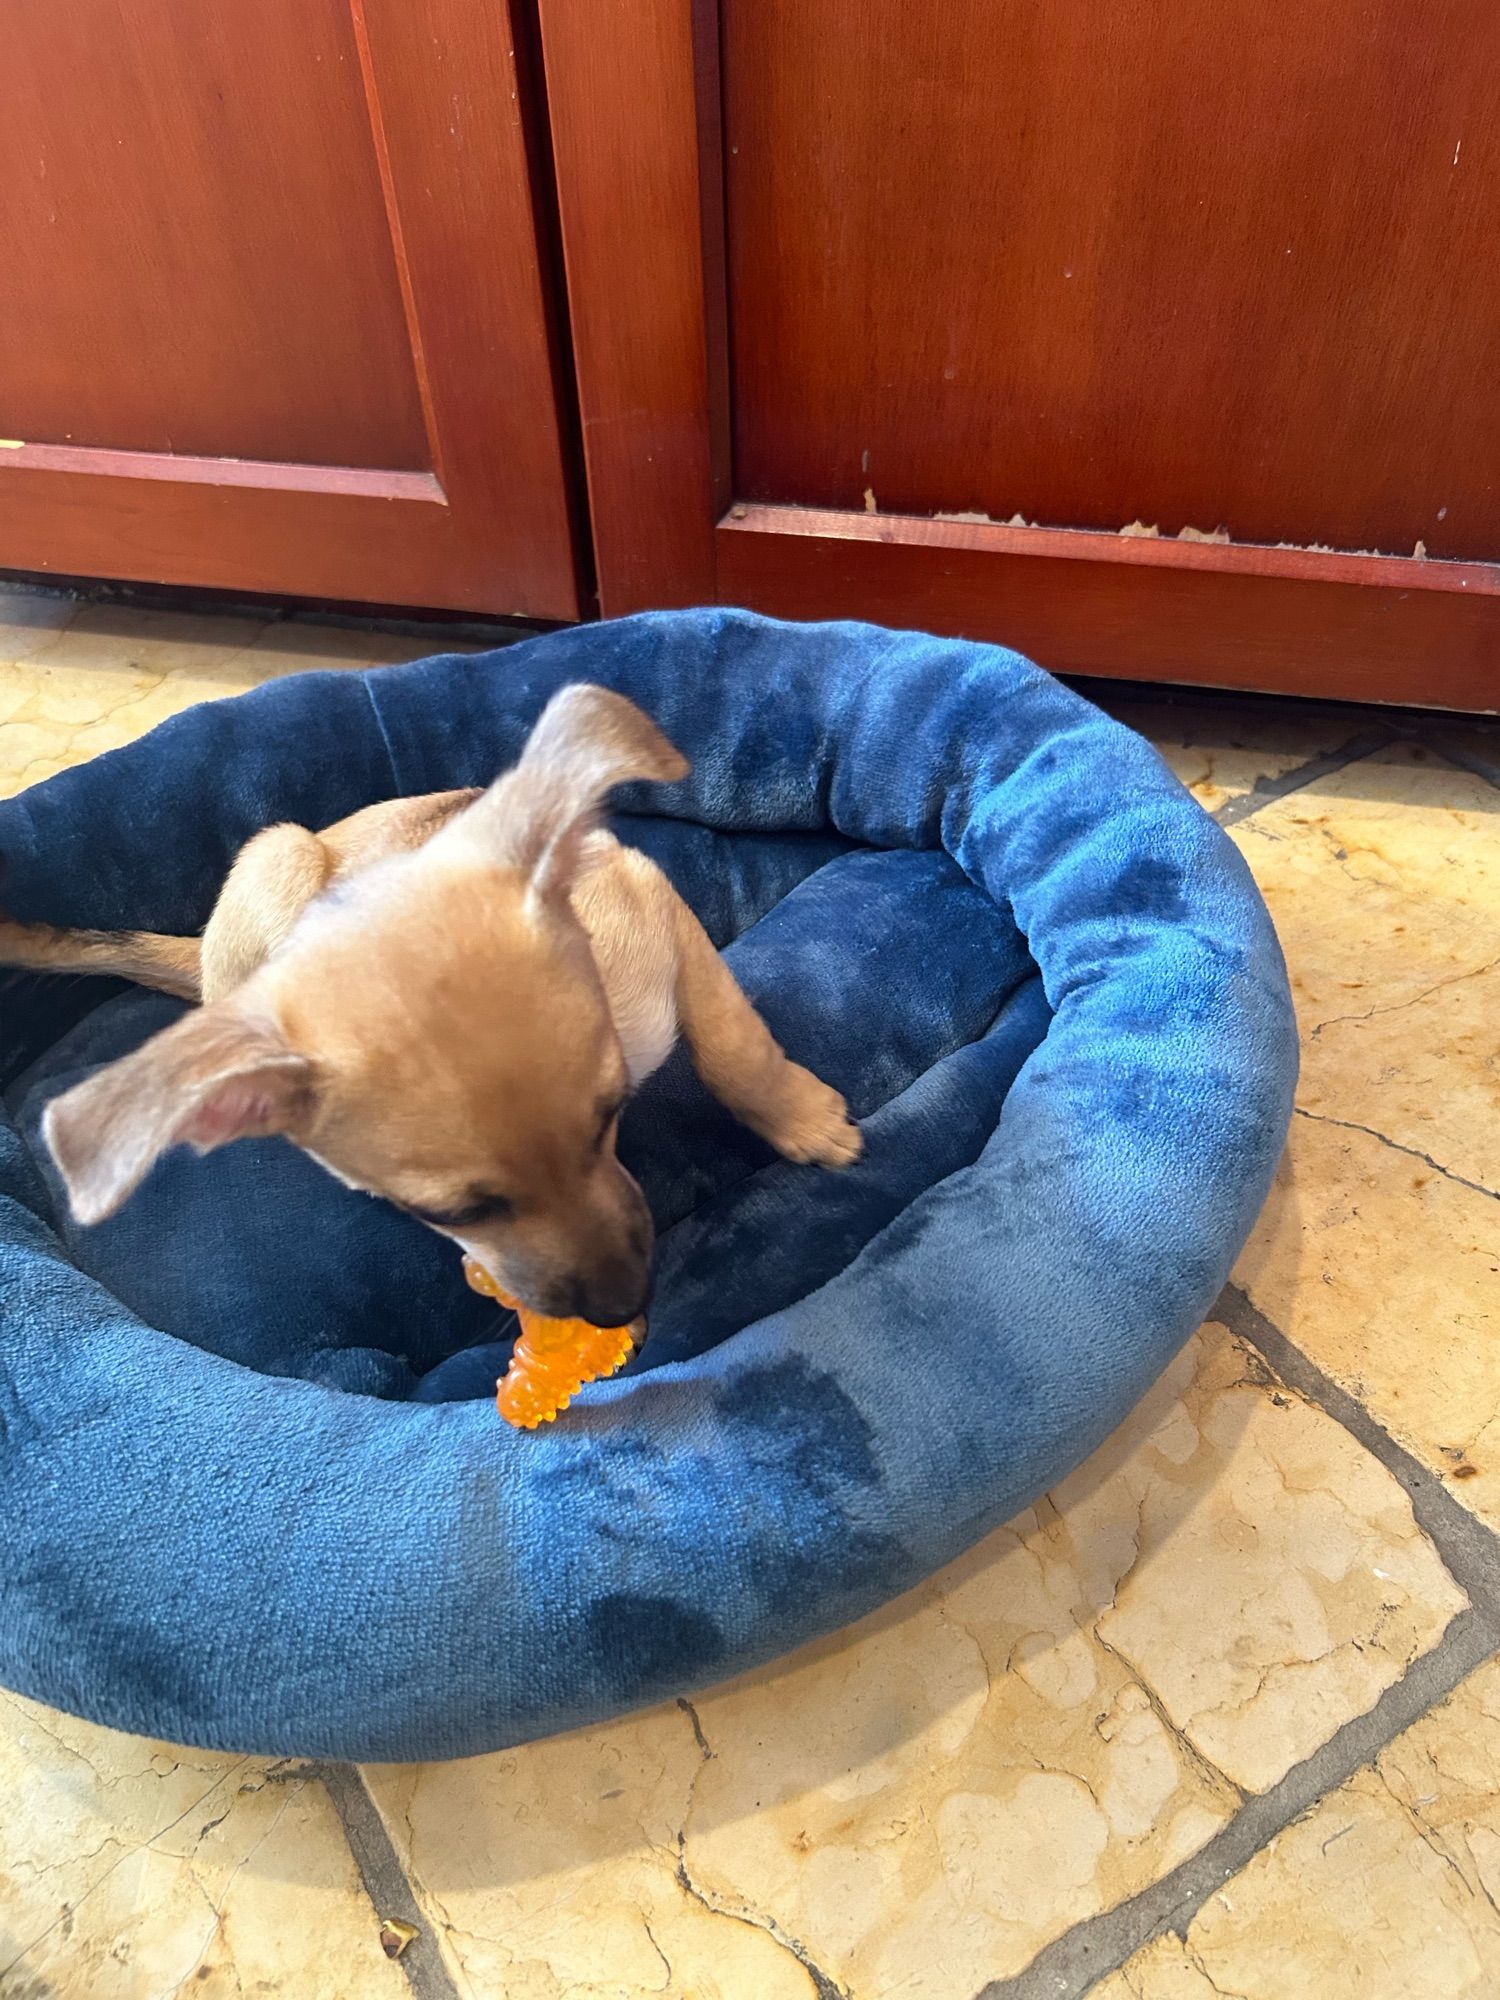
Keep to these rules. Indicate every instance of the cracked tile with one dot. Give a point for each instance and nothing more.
(1389, 1888)
(1323, 1587)
(1384, 881)
(919, 1805)
(1388, 1276)
(844, 1806)
(1424, 1073)
(553, 1872)
(1220, 750)
(1379, 1253)
(1163, 1970)
(129, 1868)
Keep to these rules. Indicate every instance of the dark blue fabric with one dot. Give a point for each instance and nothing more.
(255, 1491)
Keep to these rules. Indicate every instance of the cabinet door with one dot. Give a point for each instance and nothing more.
(1157, 337)
(274, 314)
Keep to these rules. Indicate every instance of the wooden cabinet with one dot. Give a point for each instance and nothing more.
(1156, 337)
(274, 316)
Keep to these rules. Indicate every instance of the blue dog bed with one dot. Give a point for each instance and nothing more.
(255, 1492)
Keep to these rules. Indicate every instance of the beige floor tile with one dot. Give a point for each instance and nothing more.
(1379, 1253)
(108, 675)
(1164, 1970)
(1424, 1073)
(127, 640)
(552, 1872)
(295, 647)
(1389, 1277)
(1388, 1890)
(1384, 881)
(111, 672)
(29, 619)
(130, 1870)
(1219, 750)
(1322, 1587)
(921, 1804)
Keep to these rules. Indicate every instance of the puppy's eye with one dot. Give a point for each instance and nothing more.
(484, 1208)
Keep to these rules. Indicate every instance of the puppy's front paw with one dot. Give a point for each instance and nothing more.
(814, 1127)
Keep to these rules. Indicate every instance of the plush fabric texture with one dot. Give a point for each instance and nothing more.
(255, 1491)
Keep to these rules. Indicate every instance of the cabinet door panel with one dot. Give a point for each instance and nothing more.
(1190, 263)
(274, 314)
(1159, 337)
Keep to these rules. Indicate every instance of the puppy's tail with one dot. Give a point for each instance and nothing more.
(170, 964)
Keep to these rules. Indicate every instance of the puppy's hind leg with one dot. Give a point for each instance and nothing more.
(745, 1066)
(170, 964)
(274, 878)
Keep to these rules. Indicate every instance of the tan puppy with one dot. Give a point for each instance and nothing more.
(446, 1000)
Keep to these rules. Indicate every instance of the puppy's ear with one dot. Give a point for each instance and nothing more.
(218, 1074)
(586, 742)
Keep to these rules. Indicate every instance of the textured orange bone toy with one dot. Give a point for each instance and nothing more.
(553, 1358)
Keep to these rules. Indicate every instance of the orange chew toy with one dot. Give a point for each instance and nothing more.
(552, 1358)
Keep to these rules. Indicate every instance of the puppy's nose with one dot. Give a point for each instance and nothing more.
(612, 1299)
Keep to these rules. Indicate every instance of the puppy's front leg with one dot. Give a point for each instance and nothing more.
(745, 1066)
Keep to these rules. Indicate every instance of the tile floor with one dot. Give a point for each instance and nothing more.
(1218, 1717)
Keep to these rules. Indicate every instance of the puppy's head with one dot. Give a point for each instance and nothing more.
(434, 1031)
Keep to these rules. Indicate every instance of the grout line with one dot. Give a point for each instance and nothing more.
(1464, 760)
(1433, 733)
(1074, 1965)
(1266, 791)
(1071, 1967)
(386, 1882)
(1469, 1548)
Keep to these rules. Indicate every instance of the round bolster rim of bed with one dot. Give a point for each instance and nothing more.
(251, 1562)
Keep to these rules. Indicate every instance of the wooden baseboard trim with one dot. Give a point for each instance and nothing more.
(1342, 626)
(1143, 551)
